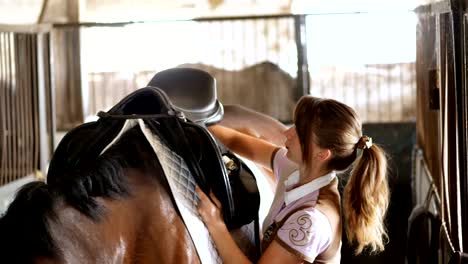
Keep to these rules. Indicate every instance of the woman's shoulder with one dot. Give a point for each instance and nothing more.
(306, 233)
(306, 218)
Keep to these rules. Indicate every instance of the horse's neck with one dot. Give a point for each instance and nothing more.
(141, 228)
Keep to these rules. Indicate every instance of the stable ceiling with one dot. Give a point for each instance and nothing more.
(72, 11)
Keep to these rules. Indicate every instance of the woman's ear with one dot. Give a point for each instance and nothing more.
(324, 154)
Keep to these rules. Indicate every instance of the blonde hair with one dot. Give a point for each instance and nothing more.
(335, 126)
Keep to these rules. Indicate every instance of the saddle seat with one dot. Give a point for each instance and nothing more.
(192, 92)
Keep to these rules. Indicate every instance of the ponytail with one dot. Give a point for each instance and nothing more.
(335, 126)
(366, 198)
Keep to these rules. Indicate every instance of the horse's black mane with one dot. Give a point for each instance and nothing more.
(24, 228)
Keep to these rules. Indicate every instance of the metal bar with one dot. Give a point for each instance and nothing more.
(389, 92)
(24, 66)
(232, 79)
(379, 90)
(9, 81)
(223, 55)
(303, 82)
(277, 27)
(358, 92)
(402, 93)
(412, 79)
(3, 88)
(342, 86)
(290, 34)
(461, 120)
(244, 46)
(30, 163)
(93, 93)
(446, 216)
(26, 77)
(21, 117)
(266, 30)
(35, 107)
(257, 58)
(49, 93)
(334, 81)
(41, 77)
(20, 55)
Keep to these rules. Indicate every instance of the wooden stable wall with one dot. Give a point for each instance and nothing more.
(428, 89)
(67, 77)
(442, 115)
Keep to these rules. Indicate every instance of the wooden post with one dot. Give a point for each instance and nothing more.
(66, 61)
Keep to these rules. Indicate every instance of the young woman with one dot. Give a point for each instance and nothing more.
(304, 222)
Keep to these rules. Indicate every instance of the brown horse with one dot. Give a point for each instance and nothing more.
(117, 209)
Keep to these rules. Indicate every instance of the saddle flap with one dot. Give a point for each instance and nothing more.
(208, 158)
(235, 188)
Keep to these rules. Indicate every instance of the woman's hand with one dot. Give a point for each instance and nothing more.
(211, 214)
(209, 211)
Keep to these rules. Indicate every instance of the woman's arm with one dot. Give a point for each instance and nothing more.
(227, 248)
(252, 148)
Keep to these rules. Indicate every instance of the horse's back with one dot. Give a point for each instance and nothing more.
(141, 228)
(254, 123)
(40, 226)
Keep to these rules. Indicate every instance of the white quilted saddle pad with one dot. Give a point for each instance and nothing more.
(182, 185)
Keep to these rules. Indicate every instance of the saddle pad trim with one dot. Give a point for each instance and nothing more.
(130, 123)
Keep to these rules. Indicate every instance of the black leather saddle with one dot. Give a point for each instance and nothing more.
(189, 140)
(202, 153)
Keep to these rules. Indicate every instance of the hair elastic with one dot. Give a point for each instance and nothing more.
(365, 142)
